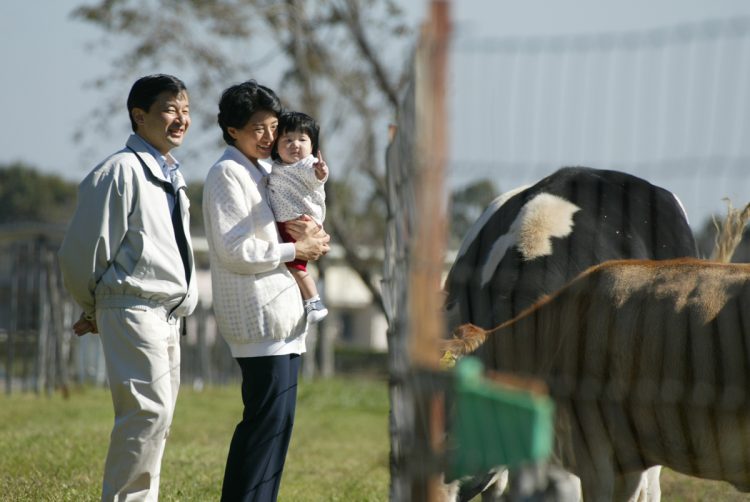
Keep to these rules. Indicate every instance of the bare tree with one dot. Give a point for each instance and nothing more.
(333, 59)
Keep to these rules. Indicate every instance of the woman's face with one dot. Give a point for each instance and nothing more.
(255, 139)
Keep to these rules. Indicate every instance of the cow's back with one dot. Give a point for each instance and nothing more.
(588, 216)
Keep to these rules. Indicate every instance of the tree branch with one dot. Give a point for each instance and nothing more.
(352, 21)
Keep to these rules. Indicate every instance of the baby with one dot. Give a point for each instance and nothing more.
(295, 188)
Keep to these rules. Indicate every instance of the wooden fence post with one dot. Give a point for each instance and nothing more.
(413, 268)
(13, 327)
(428, 258)
(59, 336)
(40, 283)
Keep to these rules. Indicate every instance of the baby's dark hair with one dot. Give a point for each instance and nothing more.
(296, 122)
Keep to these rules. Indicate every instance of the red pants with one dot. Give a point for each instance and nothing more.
(295, 264)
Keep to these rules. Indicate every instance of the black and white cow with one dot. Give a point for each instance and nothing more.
(533, 240)
(647, 364)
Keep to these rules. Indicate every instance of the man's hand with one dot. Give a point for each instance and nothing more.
(83, 326)
(312, 240)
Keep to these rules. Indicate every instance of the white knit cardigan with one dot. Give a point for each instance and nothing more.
(257, 303)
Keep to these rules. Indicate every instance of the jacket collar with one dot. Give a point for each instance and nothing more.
(142, 150)
(178, 181)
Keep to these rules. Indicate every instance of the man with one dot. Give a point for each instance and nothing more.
(127, 260)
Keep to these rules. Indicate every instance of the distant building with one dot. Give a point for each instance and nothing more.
(353, 319)
(36, 315)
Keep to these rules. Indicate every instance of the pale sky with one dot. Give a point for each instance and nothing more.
(659, 89)
(45, 68)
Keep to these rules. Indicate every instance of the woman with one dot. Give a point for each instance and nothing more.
(256, 301)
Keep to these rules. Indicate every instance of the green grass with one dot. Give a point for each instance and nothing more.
(677, 487)
(53, 449)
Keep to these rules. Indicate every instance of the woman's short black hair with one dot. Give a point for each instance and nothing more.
(146, 89)
(239, 102)
(296, 122)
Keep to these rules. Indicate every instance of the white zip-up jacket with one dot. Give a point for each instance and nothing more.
(120, 248)
(257, 303)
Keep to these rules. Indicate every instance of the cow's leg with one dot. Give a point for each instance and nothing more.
(649, 488)
(599, 485)
(631, 487)
(592, 452)
(529, 482)
(449, 491)
(563, 485)
(496, 489)
(481, 484)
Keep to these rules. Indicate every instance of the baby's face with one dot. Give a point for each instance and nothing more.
(294, 146)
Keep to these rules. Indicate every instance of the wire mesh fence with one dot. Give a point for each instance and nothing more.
(39, 351)
(669, 104)
(646, 359)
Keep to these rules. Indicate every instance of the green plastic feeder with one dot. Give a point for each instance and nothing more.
(494, 424)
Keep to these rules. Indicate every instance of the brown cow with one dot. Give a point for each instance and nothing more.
(648, 362)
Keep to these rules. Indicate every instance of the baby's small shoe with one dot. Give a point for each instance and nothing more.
(315, 310)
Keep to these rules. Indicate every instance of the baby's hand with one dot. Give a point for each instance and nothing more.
(321, 168)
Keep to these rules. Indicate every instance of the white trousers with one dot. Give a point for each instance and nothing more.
(142, 354)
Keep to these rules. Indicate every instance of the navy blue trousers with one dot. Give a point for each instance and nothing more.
(261, 440)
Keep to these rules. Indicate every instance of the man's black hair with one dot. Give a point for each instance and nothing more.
(146, 89)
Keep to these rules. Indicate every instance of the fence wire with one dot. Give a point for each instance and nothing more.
(669, 104)
(39, 351)
(646, 362)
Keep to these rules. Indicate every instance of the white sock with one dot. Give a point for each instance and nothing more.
(313, 299)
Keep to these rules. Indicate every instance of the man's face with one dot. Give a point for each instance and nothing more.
(164, 124)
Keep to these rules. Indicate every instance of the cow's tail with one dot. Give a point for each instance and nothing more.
(466, 339)
(730, 233)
